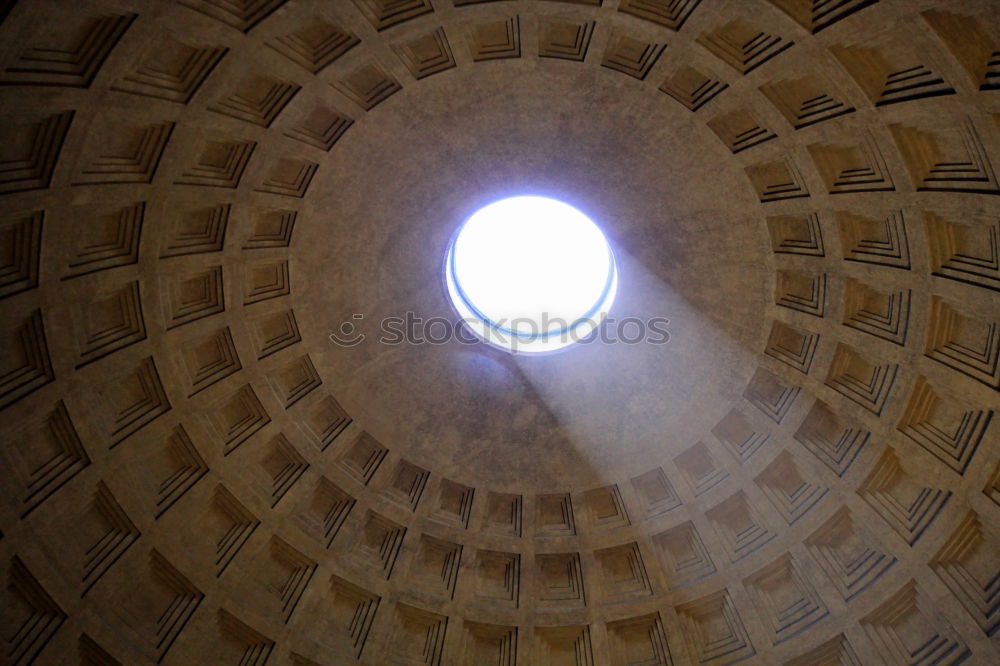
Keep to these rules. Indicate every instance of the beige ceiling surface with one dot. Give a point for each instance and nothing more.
(381, 233)
(197, 193)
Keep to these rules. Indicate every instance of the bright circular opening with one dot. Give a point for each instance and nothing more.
(531, 274)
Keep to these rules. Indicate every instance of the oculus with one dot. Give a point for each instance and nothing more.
(531, 274)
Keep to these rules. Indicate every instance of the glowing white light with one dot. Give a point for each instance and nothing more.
(531, 274)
